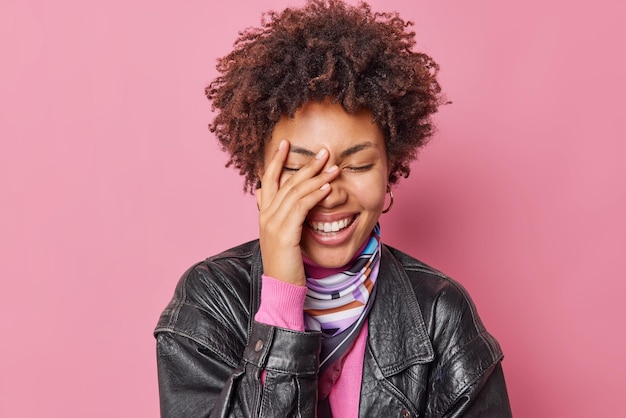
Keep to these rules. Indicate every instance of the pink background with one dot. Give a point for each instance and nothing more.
(111, 187)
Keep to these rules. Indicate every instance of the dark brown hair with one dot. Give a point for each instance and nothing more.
(324, 50)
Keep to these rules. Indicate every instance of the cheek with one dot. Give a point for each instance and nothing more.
(377, 201)
(371, 193)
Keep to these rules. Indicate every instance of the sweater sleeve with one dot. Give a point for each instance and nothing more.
(282, 304)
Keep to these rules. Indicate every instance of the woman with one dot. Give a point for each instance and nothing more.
(322, 109)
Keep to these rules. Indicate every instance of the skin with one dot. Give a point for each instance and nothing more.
(320, 166)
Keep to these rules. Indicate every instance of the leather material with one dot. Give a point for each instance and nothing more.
(427, 355)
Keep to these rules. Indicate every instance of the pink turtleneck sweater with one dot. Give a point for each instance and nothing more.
(282, 305)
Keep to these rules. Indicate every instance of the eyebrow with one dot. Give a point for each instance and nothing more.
(356, 148)
(345, 153)
(303, 151)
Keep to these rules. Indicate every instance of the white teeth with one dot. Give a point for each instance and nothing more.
(331, 226)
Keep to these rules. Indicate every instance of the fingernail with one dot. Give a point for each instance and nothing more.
(321, 154)
(325, 186)
(331, 169)
(282, 143)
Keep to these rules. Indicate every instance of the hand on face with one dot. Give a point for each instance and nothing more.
(283, 209)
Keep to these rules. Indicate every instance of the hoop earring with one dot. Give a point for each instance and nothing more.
(388, 208)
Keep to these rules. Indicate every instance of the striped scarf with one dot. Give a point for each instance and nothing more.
(338, 305)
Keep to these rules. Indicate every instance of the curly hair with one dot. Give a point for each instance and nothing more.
(324, 50)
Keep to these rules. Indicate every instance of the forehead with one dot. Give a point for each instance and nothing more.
(328, 125)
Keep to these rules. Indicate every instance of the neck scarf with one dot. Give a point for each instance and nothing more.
(338, 305)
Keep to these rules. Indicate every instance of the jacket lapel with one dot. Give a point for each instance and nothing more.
(397, 335)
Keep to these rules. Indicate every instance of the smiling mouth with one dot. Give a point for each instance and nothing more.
(331, 227)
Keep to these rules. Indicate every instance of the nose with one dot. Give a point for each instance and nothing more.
(337, 195)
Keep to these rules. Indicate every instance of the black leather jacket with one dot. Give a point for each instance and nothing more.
(427, 354)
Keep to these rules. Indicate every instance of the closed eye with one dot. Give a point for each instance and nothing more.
(291, 169)
(360, 168)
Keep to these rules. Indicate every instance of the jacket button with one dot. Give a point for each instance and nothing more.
(405, 413)
(258, 346)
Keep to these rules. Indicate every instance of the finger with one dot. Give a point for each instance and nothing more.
(301, 196)
(299, 202)
(310, 169)
(292, 211)
(276, 172)
(273, 170)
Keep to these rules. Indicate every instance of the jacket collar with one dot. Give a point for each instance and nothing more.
(397, 334)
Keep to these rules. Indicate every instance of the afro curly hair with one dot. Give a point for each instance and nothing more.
(326, 50)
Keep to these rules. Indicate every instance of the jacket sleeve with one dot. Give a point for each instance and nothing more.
(467, 379)
(207, 369)
(488, 399)
(195, 382)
